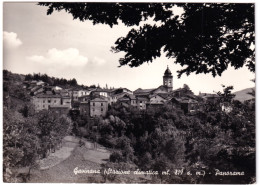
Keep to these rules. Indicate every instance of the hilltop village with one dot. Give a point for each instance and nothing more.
(94, 102)
(139, 129)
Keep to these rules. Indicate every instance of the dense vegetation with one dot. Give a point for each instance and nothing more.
(167, 139)
(51, 80)
(27, 135)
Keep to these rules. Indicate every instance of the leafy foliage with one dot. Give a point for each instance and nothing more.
(169, 139)
(206, 38)
(51, 80)
(26, 134)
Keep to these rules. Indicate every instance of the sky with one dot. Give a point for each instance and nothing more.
(34, 42)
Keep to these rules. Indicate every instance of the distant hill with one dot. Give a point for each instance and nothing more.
(242, 95)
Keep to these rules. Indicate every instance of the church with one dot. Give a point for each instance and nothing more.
(167, 86)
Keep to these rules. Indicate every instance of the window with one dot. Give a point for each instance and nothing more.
(101, 109)
(93, 109)
(54, 101)
(43, 101)
(141, 102)
(93, 104)
(101, 104)
(49, 101)
(43, 106)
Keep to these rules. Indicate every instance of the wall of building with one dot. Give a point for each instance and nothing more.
(84, 109)
(133, 102)
(168, 81)
(157, 99)
(44, 103)
(98, 108)
(83, 93)
(66, 101)
(141, 104)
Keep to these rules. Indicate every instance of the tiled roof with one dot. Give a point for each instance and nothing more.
(155, 103)
(185, 100)
(162, 95)
(132, 97)
(167, 72)
(48, 96)
(98, 99)
(36, 88)
(123, 99)
(143, 90)
(101, 90)
(85, 96)
(59, 106)
(142, 98)
(120, 94)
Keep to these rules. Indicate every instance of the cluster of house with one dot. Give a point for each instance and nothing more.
(94, 101)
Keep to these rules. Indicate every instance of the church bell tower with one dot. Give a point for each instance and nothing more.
(168, 79)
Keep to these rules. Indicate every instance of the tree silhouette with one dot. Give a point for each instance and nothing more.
(226, 96)
(206, 38)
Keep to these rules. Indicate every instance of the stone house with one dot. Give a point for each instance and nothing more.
(128, 99)
(66, 100)
(100, 92)
(98, 107)
(84, 98)
(186, 104)
(157, 98)
(121, 90)
(141, 102)
(43, 101)
(46, 100)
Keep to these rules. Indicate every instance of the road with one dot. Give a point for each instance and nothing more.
(59, 166)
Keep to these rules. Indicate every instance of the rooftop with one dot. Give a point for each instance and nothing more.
(98, 99)
(48, 96)
(167, 72)
(60, 106)
(137, 91)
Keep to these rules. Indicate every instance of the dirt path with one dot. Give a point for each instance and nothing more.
(59, 166)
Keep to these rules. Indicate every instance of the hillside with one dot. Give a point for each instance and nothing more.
(243, 94)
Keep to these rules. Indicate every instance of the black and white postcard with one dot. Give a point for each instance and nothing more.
(141, 92)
